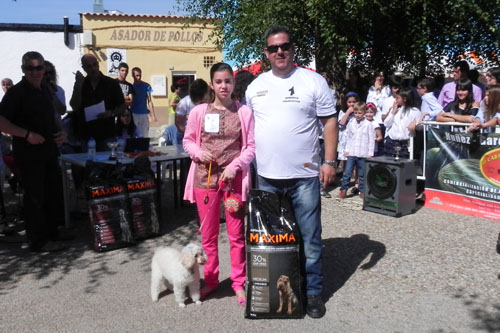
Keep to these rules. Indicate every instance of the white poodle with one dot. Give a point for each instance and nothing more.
(177, 270)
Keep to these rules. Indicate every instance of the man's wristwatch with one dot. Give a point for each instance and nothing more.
(331, 163)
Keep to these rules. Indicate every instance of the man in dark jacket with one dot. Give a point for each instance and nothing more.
(27, 113)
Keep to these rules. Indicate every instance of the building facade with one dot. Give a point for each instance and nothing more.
(58, 43)
(164, 47)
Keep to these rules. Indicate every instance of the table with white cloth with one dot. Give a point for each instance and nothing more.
(173, 154)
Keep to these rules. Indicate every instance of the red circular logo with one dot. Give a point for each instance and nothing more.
(490, 166)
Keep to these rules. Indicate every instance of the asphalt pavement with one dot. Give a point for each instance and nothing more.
(432, 271)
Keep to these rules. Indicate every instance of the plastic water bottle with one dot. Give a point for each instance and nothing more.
(120, 148)
(91, 149)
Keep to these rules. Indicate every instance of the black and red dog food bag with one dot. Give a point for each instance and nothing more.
(274, 278)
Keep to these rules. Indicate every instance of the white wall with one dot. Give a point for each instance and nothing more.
(51, 45)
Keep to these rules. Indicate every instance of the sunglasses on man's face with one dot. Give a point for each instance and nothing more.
(33, 68)
(274, 48)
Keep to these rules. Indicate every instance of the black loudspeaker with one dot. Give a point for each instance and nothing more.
(390, 186)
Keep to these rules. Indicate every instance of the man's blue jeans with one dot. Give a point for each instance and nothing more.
(306, 202)
(351, 162)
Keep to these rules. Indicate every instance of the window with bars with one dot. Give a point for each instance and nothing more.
(208, 61)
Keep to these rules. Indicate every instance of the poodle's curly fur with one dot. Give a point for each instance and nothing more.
(177, 270)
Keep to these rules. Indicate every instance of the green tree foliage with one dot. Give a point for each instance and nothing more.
(370, 34)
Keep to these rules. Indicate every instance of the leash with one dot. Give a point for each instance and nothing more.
(211, 205)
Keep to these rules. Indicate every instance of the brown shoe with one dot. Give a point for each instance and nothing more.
(342, 194)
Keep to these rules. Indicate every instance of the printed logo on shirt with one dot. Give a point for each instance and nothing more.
(125, 89)
(261, 93)
(292, 91)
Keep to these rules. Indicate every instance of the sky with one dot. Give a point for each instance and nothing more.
(53, 11)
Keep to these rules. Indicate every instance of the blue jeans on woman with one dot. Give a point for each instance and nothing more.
(346, 179)
(306, 203)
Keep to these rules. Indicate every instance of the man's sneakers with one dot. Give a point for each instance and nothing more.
(315, 307)
(343, 194)
(325, 194)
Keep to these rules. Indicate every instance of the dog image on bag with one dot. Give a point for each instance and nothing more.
(177, 270)
(287, 297)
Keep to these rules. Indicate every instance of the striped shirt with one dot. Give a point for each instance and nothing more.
(360, 138)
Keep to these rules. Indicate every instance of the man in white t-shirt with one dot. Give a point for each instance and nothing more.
(287, 102)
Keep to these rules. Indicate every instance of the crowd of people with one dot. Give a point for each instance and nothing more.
(36, 128)
(240, 132)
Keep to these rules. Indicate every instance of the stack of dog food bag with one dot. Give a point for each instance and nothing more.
(121, 201)
(109, 215)
(273, 258)
(142, 199)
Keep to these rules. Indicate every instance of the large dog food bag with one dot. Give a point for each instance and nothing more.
(142, 199)
(274, 278)
(109, 216)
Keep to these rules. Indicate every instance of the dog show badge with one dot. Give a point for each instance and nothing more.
(212, 123)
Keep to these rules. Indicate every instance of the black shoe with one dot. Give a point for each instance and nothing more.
(315, 307)
(50, 246)
(7, 228)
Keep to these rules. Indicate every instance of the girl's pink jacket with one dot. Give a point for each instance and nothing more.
(192, 143)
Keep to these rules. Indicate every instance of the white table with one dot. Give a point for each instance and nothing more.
(170, 153)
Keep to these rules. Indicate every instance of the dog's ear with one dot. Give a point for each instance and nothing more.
(188, 256)
(187, 260)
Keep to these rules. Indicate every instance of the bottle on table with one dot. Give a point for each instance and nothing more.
(91, 145)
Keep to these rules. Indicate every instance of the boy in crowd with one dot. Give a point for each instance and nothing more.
(430, 107)
(127, 88)
(360, 146)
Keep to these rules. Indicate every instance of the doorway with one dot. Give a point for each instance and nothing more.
(184, 80)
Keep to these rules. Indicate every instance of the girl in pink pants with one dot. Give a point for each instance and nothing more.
(219, 138)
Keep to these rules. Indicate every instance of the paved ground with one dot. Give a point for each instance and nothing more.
(432, 271)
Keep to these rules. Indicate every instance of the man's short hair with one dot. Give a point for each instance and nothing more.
(123, 65)
(395, 81)
(427, 83)
(32, 55)
(198, 90)
(86, 57)
(174, 87)
(276, 29)
(463, 65)
(136, 69)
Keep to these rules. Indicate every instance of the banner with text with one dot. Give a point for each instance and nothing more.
(462, 172)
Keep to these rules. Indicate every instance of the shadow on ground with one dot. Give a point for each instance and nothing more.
(178, 226)
(343, 256)
(486, 314)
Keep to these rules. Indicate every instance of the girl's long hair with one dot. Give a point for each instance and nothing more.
(130, 128)
(493, 102)
(464, 84)
(407, 96)
(346, 97)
